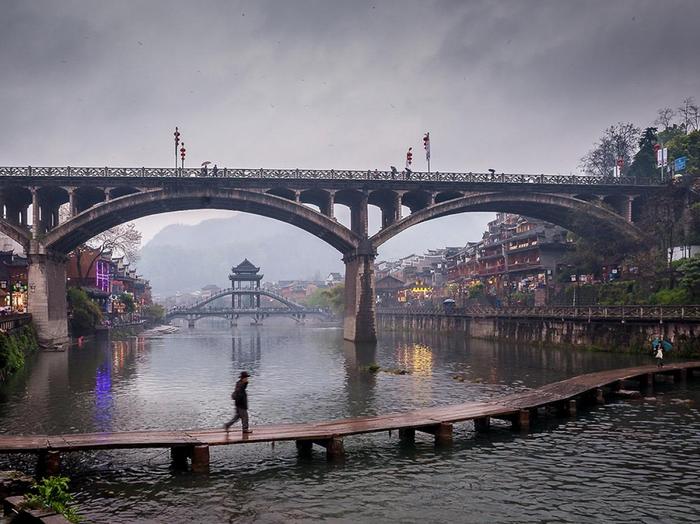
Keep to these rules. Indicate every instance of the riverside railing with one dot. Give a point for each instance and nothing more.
(9, 323)
(689, 313)
(324, 174)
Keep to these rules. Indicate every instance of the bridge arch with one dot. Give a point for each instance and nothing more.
(229, 291)
(16, 232)
(106, 215)
(579, 216)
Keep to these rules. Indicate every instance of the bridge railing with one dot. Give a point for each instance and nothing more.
(9, 323)
(641, 312)
(324, 174)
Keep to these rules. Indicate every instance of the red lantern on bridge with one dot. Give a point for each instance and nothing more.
(182, 154)
(409, 157)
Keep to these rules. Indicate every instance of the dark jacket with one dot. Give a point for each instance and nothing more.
(240, 397)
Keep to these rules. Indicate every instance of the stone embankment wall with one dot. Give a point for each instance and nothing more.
(598, 335)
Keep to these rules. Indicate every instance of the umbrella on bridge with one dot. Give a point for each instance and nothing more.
(205, 163)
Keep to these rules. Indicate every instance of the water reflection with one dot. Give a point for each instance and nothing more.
(301, 374)
(359, 382)
(417, 358)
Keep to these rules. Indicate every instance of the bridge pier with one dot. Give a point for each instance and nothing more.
(360, 316)
(47, 297)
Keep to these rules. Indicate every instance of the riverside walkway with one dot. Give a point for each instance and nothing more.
(560, 397)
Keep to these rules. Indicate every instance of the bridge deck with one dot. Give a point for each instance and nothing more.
(322, 432)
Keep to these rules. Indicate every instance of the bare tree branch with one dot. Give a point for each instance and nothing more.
(122, 240)
(664, 117)
(618, 141)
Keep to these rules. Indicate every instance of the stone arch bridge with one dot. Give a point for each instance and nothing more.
(200, 309)
(52, 210)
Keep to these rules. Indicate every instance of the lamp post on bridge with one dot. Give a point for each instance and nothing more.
(177, 144)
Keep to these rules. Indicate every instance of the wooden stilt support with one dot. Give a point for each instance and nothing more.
(442, 433)
(334, 448)
(617, 386)
(304, 448)
(571, 407)
(482, 424)
(521, 420)
(200, 459)
(681, 376)
(407, 435)
(179, 456)
(599, 396)
(49, 462)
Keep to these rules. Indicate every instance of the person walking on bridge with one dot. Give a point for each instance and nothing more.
(240, 399)
(659, 355)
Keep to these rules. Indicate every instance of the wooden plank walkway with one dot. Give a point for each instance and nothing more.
(194, 444)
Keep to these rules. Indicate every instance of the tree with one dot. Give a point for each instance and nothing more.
(330, 298)
(123, 240)
(154, 313)
(619, 141)
(688, 145)
(128, 300)
(85, 315)
(644, 163)
(665, 117)
(690, 114)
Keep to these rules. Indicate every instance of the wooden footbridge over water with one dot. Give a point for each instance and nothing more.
(560, 398)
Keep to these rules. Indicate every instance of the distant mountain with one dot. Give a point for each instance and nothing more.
(185, 258)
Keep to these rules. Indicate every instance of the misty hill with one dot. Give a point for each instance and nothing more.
(185, 257)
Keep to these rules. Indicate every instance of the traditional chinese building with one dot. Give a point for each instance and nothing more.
(245, 276)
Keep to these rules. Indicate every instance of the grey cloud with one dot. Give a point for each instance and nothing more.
(517, 85)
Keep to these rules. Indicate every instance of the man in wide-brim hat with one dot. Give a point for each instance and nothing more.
(240, 400)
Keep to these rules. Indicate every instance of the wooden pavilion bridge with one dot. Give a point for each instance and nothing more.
(562, 398)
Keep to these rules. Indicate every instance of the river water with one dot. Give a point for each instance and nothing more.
(629, 461)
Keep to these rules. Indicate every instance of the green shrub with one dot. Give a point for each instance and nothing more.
(85, 314)
(52, 492)
(678, 295)
(13, 349)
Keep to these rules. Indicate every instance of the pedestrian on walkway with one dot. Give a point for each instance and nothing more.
(240, 400)
(659, 355)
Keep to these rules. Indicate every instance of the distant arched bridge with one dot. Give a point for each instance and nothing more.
(94, 199)
(199, 309)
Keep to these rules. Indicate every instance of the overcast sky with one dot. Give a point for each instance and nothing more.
(520, 86)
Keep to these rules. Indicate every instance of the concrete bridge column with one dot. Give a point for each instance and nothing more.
(47, 297)
(628, 209)
(36, 227)
(358, 216)
(72, 202)
(360, 315)
(326, 206)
